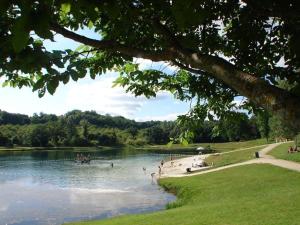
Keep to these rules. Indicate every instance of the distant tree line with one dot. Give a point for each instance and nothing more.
(77, 128)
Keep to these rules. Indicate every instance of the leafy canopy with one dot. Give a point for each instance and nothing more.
(261, 38)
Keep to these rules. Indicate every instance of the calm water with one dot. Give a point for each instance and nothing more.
(45, 188)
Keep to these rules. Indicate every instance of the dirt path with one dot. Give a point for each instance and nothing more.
(179, 166)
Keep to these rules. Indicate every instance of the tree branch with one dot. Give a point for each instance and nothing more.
(256, 89)
(192, 70)
(114, 46)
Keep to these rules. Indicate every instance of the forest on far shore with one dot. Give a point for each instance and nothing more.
(78, 128)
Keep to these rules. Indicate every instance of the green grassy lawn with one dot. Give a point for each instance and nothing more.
(232, 157)
(229, 146)
(246, 195)
(281, 152)
(218, 147)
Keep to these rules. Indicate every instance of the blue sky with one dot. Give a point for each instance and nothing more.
(88, 94)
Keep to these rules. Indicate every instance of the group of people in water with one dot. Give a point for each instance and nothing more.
(80, 158)
(87, 158)
(83, 159)
(293, 150)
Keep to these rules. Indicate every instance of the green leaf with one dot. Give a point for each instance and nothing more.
(92, 74)
(20, 33)
(38, 85)
(65, 7)
(52, 85)
(42, 92)
(130, 67)
(5, 83)
(74, 75)
(65, 78)
(44, 33)
(117, 82)
(82, 48)
(38, 42)
(41, 25)
(90, 24)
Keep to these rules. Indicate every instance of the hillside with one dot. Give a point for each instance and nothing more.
(77, 128)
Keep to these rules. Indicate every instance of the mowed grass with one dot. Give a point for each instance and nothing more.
(281, 152)
(230, 146)
(217, 147)
(245, 195)
(232, 157)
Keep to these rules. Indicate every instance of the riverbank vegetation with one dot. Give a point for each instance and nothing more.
(252, 194)
(83, 129)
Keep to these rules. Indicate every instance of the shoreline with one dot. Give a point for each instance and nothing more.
(177, 148)
(175, 152)
(63, 148)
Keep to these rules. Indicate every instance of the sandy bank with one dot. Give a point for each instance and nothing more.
(178, 166)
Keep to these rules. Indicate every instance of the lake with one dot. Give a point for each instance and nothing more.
(48, 187)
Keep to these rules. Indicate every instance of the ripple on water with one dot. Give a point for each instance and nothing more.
(40, 191)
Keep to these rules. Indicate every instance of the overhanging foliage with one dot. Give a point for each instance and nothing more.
(222, 48)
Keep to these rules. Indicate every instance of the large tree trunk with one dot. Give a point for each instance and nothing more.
(274, 99)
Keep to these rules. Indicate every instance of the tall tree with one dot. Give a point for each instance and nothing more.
(262, 121)
(279, 129)
(235, 127)
(222, 49)
(84, 126)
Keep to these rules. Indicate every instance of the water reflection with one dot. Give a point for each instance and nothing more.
(48, 187)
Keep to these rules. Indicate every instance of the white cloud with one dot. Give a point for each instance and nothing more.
(148, 64)
(168, 117)
(103, 98)
(98, 95)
